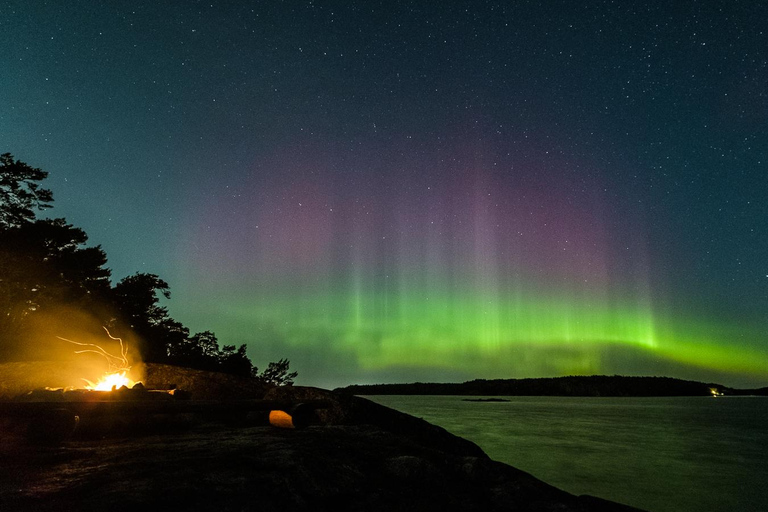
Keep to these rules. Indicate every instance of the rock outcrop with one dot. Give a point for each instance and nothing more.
(201, 385)
(352, 410)
(213, 467)
(358, 455)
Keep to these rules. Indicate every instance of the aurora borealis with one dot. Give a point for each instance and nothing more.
(400, 191)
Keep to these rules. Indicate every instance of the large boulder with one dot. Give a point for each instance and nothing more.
(202, 385)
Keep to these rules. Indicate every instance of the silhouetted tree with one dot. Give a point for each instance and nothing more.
(207, 344)
(166, 337)
(43, 266)
(199, 351)
(235, 362)
(20, 192)
(136, 296)
(277, 374)
(137, 303)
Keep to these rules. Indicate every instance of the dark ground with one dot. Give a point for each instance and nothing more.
(214, 467)
(357, 456)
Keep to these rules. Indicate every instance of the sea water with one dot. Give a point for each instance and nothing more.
(702, 454)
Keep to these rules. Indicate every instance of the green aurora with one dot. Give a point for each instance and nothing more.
(488, 335)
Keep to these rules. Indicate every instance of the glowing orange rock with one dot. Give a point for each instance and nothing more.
(281, 419)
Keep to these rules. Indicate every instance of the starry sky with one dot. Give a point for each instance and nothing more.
(391, 191)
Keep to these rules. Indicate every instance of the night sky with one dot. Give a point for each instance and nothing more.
(437, 191)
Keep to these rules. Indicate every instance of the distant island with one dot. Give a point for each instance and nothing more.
(595, 385)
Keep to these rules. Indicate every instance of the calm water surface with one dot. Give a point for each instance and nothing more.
(660, 454)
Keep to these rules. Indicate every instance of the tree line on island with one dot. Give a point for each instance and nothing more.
(587, 386)
(48, 277)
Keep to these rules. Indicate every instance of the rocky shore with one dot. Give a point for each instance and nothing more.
(357, 455)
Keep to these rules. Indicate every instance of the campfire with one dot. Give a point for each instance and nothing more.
(110, 382)
(118, 366)
(115, 400)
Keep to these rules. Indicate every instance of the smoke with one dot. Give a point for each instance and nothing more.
(59, 362)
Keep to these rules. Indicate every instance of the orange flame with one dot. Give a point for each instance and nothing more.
(116, 377)
(109, 382)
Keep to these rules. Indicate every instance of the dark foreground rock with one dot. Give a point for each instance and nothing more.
(352, 410)
(357, 455)
(365, 457)
(212, 467)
